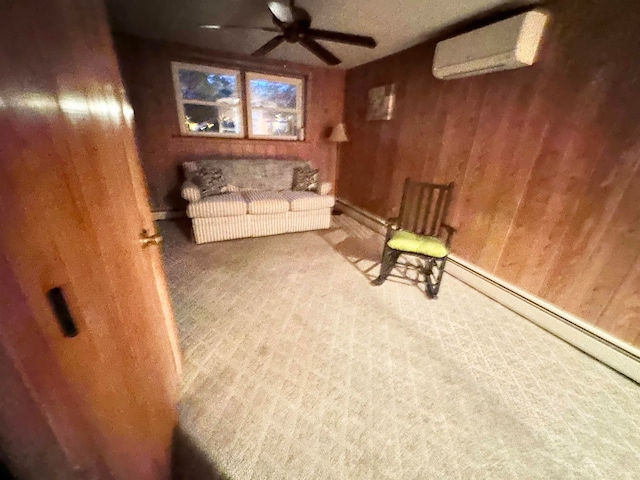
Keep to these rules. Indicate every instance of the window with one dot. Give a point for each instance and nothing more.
(275, 106)
(208, 100)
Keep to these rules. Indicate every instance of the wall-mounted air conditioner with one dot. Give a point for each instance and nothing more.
(505, 45)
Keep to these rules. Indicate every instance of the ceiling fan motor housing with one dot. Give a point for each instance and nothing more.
(294, 26)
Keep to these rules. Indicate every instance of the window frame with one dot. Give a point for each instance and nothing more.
(300, 103)
(180, 102)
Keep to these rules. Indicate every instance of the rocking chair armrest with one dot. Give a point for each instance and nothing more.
(392, 226)
(450, 231)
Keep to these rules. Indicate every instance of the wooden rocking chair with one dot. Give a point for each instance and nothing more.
(418, 230)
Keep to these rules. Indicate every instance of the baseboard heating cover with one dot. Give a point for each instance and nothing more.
(601, 345)
(168, 214)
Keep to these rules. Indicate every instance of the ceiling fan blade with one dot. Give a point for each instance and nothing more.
(282, 10)
(319, 51)
(267, 47)
(348, 38)
(239, 27)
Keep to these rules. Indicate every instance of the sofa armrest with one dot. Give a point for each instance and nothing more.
(325, 188)
(190, 191)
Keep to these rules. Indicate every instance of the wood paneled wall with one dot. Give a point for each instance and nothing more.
(545, 159)
(146, 69)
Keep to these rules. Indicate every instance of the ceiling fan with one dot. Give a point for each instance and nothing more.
(293, 24)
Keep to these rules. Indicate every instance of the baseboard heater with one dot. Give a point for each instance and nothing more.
(597, 343)
(168, 214)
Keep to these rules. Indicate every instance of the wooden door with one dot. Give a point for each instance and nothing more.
(100, 404)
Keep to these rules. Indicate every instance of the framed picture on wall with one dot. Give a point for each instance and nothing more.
(381, 102)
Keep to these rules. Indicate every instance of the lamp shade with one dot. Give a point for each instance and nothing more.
(339, 133)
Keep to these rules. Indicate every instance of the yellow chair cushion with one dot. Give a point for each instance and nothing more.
(414, 243)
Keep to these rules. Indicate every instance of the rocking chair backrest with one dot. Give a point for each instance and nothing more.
(424, 207)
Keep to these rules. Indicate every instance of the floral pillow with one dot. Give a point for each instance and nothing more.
(305, 179)
(210, 181)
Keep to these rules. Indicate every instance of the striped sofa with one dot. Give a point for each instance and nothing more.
(260, 201)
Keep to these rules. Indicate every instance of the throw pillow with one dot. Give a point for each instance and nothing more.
(305, 179)
(210, 181)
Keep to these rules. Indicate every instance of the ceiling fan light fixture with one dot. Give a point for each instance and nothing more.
(283, 13)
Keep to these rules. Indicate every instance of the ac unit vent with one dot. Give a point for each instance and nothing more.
(505, 45)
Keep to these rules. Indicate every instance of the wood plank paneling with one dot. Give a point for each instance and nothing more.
(146, 69)
(545, 159)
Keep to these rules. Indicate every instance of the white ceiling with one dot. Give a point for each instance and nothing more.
(395, 24)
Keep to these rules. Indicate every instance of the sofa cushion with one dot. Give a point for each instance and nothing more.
(303, 201)
(264, 202)
(224, 205)
(414, 243)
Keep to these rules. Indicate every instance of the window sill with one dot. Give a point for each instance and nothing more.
(237, 138)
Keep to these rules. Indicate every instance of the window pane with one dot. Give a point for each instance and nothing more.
(272, 94)
(222, 118)
(209, 87)
(274, 123)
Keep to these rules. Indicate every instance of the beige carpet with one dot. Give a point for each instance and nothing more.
(296, 368)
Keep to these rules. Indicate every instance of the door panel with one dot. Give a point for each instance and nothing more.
(73, 207)
(54, 439)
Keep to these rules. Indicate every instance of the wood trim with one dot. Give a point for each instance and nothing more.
(253, 141)
(203, 68)
(299, 79)
(227, 136)
(300, 101)
(243, 78)
(606, 348)
(175, 68)
(368, 219)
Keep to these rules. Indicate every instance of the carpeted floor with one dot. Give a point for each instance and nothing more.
(296, 368)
